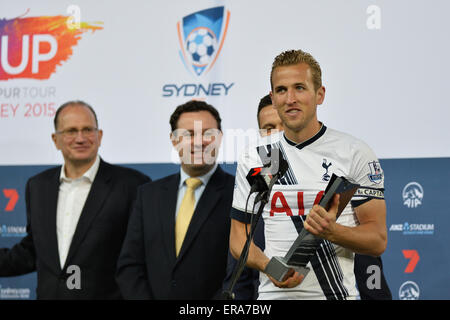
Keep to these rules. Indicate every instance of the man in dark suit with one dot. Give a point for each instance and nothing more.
(177, 240)
(77, 215)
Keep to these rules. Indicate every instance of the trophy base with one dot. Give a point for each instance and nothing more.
(277, 268)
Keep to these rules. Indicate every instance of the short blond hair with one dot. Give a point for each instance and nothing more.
(292, 57)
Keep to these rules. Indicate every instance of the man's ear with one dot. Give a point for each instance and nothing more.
(55, 141)
(173, 139)
(219, 138)
(100, 136)
(320, 95)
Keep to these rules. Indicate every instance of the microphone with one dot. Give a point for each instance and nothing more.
(262, 181)
(256, 180)
(282, 165)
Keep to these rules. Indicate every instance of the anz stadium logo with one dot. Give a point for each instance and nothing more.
(412, 195)
(201, 36)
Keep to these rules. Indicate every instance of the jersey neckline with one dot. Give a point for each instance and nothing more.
(303, 144)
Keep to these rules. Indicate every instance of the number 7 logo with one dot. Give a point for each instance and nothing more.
(13, 197)
(413, 255)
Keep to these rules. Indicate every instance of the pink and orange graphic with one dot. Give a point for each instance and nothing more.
(32, 47)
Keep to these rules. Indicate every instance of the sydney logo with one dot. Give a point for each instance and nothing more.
(412, 195)
(201, 36)
(32, 47)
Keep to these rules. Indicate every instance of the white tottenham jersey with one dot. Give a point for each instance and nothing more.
(311, 165)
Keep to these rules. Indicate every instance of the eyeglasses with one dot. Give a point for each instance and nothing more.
(72, 133)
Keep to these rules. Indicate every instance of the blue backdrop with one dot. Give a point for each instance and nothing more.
(415, 262)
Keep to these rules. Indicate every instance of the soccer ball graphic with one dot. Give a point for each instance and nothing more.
(201, 44)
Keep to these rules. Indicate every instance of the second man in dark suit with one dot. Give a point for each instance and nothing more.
(177, 240)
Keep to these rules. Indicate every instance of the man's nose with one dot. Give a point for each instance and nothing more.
(290, 96)
(80, 136)
(197, 140)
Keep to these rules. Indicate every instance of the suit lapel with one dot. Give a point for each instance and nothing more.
(210, 196)
(166, 212)
(97, 195)
(49, 219)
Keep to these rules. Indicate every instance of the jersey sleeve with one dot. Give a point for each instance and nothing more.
(247, 160)
(367, 172)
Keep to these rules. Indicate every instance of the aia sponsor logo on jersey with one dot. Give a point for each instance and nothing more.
(283, 203)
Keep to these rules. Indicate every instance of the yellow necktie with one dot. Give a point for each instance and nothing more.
(185, 212)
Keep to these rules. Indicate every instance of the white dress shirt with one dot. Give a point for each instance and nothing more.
(198, 192)
(71, 199)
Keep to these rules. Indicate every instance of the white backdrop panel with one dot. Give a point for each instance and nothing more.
(385, 85)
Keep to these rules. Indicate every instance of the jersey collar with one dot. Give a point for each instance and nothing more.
(303, 144)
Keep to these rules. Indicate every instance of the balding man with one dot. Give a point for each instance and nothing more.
(77, 215)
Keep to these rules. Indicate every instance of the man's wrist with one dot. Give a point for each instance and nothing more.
(264, 262)
(333, 236)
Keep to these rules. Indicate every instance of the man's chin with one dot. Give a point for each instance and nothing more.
(197, 169)
(199, 166)
(82, 160)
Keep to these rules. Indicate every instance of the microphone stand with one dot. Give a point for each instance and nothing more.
(262, 197)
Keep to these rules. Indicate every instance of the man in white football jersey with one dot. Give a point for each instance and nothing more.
(313, 152)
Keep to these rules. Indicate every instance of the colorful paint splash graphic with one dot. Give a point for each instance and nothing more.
(32, 47)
